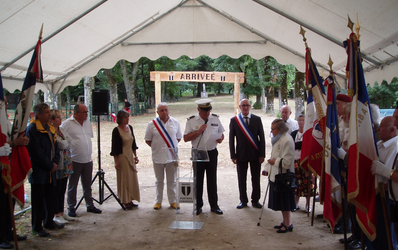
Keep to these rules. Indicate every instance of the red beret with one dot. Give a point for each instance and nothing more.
(344, 98)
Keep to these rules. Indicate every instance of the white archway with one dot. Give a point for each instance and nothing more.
(197, 76)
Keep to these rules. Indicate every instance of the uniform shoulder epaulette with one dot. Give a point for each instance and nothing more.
(215, 115)
(189, 118)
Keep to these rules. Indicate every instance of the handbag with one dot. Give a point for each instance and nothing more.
(285, 182)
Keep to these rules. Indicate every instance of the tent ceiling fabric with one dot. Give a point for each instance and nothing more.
(81, 37)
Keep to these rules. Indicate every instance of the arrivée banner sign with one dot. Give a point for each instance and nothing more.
(197, 76)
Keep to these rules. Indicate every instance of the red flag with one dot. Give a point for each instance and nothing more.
(20, 160)
(362, 146)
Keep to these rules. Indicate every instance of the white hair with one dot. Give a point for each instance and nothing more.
(161, 104)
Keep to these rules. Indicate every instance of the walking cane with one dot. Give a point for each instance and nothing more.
(265, 197)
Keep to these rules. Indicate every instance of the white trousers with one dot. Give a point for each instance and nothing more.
(171, 173)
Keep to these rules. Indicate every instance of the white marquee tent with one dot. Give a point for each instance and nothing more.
(81, 37)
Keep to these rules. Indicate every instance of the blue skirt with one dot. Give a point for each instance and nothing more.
(283, 201)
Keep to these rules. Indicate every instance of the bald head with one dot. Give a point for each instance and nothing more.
(387, 130)
(286, 111)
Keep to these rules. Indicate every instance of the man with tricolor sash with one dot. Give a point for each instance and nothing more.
(162, 135)
(248, 131)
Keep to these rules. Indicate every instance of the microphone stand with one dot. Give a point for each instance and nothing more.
(201, 135)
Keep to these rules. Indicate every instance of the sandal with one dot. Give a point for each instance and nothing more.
(287, 229)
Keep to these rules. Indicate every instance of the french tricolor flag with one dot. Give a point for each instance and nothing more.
(315, 119)
(330, 183)
(362, 150)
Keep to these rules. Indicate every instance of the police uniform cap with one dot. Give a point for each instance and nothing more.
(204, 104)
(344, 98)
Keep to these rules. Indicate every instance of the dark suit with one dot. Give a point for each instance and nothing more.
(245, 153)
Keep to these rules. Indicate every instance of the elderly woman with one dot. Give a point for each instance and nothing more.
(124, 153)
(282, 150)
(64, 168)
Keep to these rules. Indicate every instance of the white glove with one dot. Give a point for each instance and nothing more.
(5, 150)
(341, 153)
(380, 169)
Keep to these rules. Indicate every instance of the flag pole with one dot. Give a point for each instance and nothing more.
(383, 198)
(302, 32)
(342, 188)
(11, 205)
(308, 198)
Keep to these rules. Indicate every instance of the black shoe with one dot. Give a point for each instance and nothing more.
(6, 245)
(198, 211)
(340, 230)
(257, 204)
(349, 239)
(241, 205)
(216, 210)
(287, 229)
(355, 244)
(19, 238)
(320, 216)
(278, 226)
(72, 213)
(94, 210)
(42, 233)
(55, 226)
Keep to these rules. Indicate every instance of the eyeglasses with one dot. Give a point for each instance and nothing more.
(84, 112)
(245, 105)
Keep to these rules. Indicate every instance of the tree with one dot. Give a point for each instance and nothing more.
(384, 95)
(112, 89)
(270, 69)
(299, 90)
(129, 71)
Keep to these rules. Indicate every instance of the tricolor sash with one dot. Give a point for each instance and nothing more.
(243, 126)
(165, 135)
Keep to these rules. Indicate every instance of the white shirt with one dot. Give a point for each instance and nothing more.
(160, 152)
(248, 116)
(387, 153)
(292, 125)
(81, 135)
(214, 126)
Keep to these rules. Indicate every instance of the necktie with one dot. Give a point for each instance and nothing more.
(247, 120)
